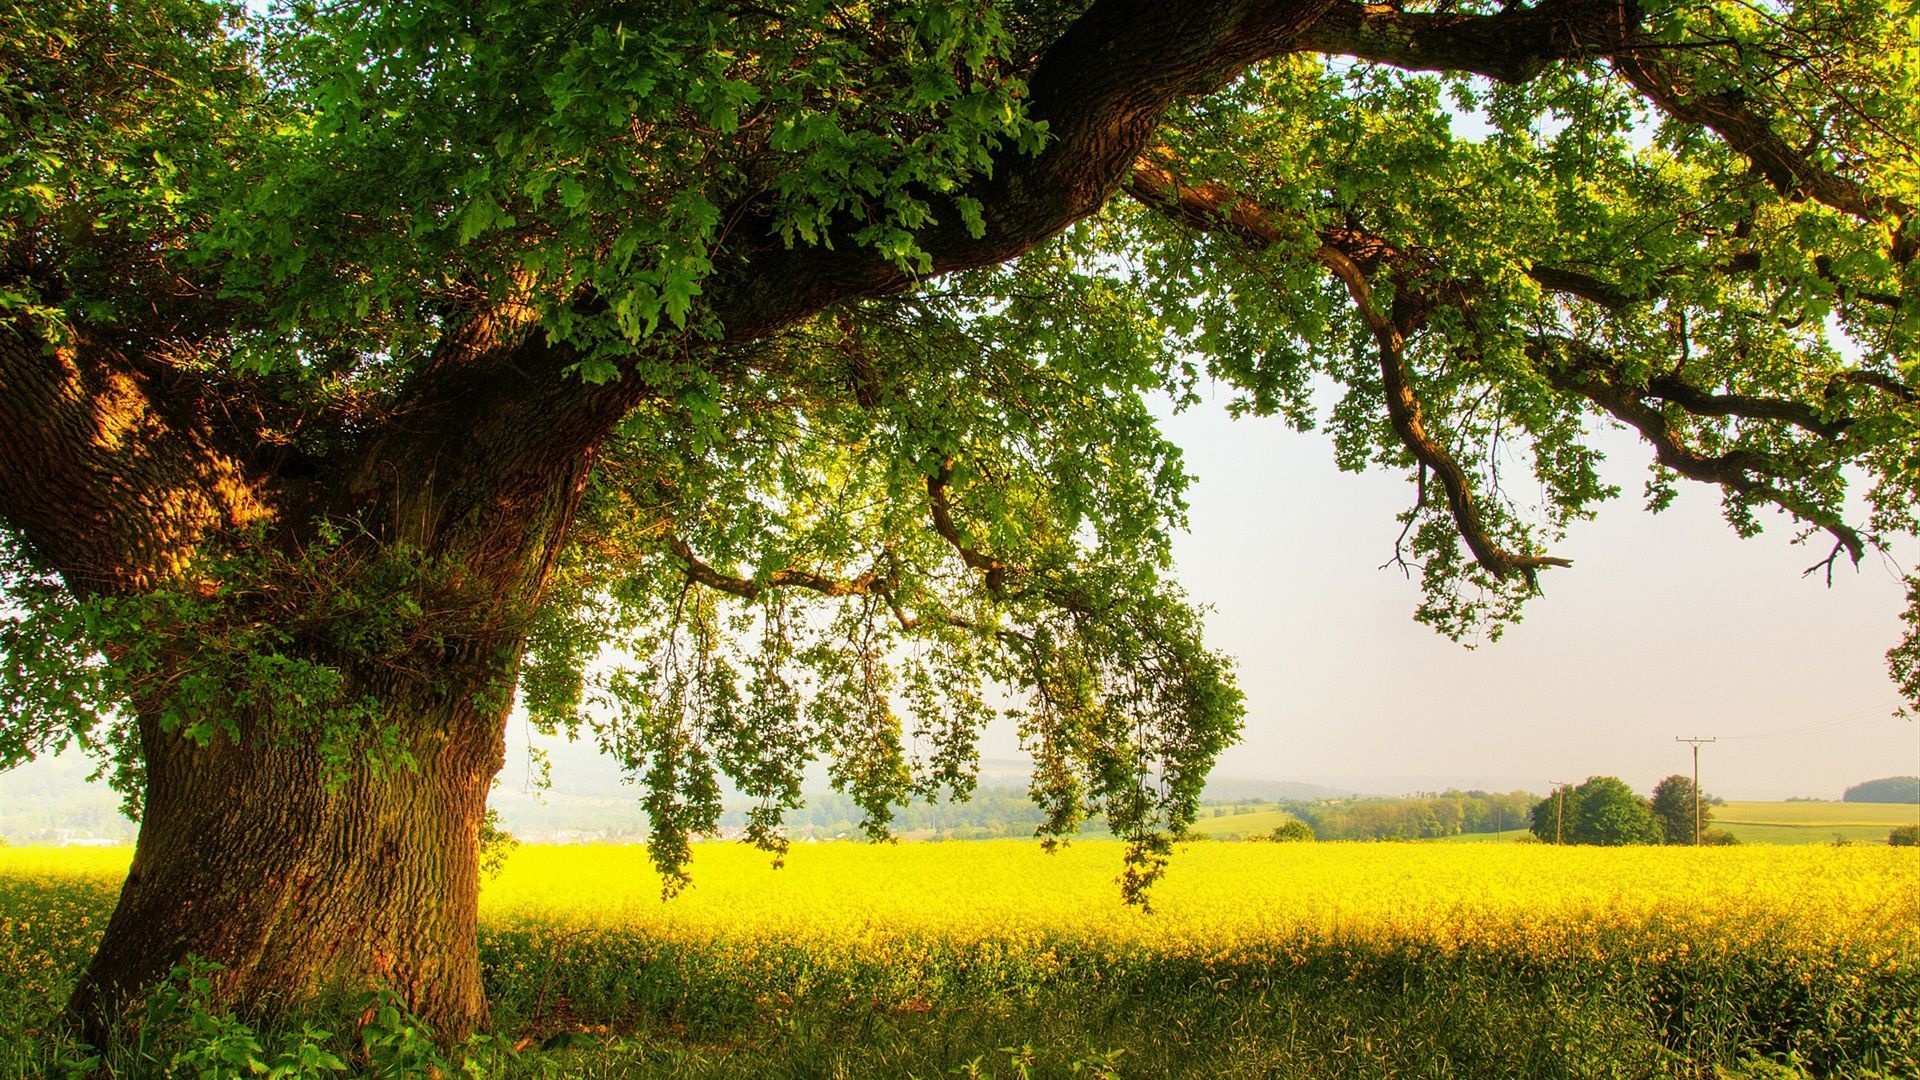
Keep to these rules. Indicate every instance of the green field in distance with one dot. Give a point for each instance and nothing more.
(1749, 822)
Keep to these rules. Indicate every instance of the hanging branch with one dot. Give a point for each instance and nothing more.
(1342, 252)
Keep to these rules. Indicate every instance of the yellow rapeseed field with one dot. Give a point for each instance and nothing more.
(1654, 961)
(1216, 897)
(1222, 896)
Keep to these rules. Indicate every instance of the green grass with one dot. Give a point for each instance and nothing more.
(1749, 822)
(1246, 825)
(1818, 814)
(1812, 822)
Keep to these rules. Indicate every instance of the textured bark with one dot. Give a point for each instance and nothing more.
(252, 857)
(295, 875)
(103, 474)
(1513, 45)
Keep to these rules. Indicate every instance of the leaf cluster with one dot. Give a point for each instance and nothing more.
(884, 529)
(253, 645)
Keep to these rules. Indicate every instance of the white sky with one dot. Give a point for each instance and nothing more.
(1667, 625)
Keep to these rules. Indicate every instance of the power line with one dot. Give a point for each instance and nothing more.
(1848, 721)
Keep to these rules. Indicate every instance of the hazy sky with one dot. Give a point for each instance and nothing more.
(1667, 625)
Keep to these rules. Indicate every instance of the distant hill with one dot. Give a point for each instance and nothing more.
(1887, 789)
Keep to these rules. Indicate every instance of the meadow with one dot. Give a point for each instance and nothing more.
(1260, 960)
(1813, 822)
(1749, 822)
(1245, 823)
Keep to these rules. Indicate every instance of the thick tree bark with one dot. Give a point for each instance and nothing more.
(299, 874)
(299, 880)
(303, 867)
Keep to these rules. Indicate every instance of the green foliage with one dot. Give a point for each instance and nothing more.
(1021, 1061)
(54, 685)
(495, 147)
(1567, 178)
(104, 162)
(1611, 814)
(253, 644)
(1905, 836)
(1554, 818)
(1059, 497)
(1675, 802)
(1419, 817)
(1294, 832)
(1603, 810)
(496, 844)
(182, 1030)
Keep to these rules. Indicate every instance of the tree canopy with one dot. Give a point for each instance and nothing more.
(1682, 809)
(1601, 811)
(755, 384)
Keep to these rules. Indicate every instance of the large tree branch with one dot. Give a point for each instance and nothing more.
(1408, 418)
(994, 571)
(1586, 286)
(1751, 134)
(1353, 257)
(1343, 252)
(1512, 46)
(1673, 388)
(1580, 368)
(1213, 207)
(106, 474)
(1101, 89)
(1880, 381)
(873, 582)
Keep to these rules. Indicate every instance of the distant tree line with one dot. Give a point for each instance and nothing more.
(1007, 811)
(1416, 817)
(992, 811)
(1606, 812)
(1887, 789)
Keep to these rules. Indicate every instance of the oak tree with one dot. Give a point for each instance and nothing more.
(754, 384)
(1682, 810)
(1611, 815)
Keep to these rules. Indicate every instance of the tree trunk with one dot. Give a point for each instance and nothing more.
(299, 878)
(407, 564)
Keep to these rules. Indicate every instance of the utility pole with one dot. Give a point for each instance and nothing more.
(1560, 811)
(1696, 782)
